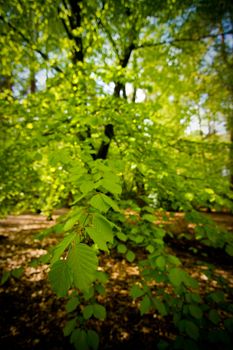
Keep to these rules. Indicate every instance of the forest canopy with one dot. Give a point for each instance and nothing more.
(108, 105)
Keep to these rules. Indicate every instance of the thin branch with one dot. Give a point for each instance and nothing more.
(178, 40)
(41, 53)
(100, 23)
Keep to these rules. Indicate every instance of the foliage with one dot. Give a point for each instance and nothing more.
(75, 131)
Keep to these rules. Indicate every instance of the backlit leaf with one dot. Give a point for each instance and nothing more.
(60, 248)
(82, 261)
(60, 278)
(98, 202)
(101, 232)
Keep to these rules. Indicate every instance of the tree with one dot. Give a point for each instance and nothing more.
(82, 138)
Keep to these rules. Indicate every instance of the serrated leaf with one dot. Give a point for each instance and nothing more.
(98, 202)
(59, 277)
(160, 262)
(136, 292)
(196, 311)
(145, 305)
(93, 339)
(72, 304)
(121, 248)
(82, 261)
(61, 247)
(87, 311)
(99, 311)
(69, 327)
(101, 232)
(130, 256)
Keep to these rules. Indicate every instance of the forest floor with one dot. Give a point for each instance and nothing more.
(32, 317)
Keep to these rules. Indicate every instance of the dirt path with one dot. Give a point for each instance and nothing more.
(32, 317)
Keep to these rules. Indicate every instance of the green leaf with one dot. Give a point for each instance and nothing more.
(99, 203)
(79, 339)
(5, 276)
(150, 248)
(100, 289)
(195, 311)
(160, 262)
(174, 260)
(17, 273)
(73, 219)
(121, 248)
(87, 186)
(110, 202)
(190, 281)
(130, 256)
(218, 297)
(111, 186)
(93, 339)
(145, 305)
(176, 276)
(229, 249)
(69, 327)
(101, 232)
(87, 311)
(136, 292)
(72, 304)
(121, 236)
(149, 217)
(82, 261)
(160, 306)
(99, 311)
(214, 316)
(60, 278)
(60, 248)
(191, 329)
(89, 293)
(228, 323)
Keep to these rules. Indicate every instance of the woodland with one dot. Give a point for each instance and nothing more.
(116, 174)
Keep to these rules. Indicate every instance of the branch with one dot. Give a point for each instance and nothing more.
(180, 40)
(41, 53)
(100, 23)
